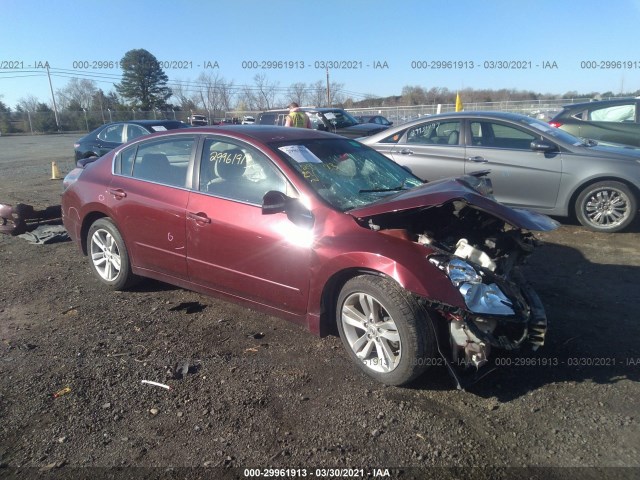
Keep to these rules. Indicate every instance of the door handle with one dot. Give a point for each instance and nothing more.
(477, 159)
(199, 217)
(118, 193)
(406, 151)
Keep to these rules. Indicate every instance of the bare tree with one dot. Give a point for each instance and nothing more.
(214, 93)
(78, 92)
(187, 98)
(318, 94)
(298, 92)
(336, 95)
(265, 92)
(226, 95)
(29, 103)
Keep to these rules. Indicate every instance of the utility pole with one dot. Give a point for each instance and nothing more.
(328, 93)
(55, 107)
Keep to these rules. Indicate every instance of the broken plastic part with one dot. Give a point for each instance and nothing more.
(469, 252)
(14, 220)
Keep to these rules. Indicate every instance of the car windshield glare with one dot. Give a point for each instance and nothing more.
(344, 172)
(556, 133)
(340, 119)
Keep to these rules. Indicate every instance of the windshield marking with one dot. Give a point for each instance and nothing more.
(300, 154)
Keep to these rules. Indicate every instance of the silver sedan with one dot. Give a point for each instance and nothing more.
(531, 164)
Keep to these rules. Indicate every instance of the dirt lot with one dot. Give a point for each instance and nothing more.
(253, 391)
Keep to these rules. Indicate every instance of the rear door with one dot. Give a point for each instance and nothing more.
(148, 197)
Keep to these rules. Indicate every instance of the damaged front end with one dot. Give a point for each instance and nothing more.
(478, 248)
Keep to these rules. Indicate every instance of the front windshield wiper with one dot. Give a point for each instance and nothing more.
(380, 190)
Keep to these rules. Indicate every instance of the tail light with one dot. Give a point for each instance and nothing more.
(555, 123)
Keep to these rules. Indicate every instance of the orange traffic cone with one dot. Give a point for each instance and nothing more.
(55, 173)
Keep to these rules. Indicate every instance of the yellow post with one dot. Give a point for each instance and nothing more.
(55, 173)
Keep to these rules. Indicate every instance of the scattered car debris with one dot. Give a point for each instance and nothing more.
(46, 234)
(64, 391)
(157, 384)
(15, 220)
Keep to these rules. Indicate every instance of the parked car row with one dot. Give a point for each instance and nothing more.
(107, 137)
(531, 164)
(335, 120)
(379, 119)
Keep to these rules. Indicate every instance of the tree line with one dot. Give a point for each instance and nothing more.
(145, 87)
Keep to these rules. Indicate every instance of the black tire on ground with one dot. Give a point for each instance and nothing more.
(108, 255)
(384, 329)
(607, 206)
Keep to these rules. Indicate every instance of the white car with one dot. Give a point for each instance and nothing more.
(248, 120)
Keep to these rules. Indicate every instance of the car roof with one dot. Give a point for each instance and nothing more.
(307, 109)
(267, 133)
(491, 115)
(145, 123)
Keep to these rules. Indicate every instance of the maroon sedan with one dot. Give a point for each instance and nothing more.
(318, 229)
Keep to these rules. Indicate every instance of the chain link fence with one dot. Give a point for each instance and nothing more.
(87, 120)
(542, 109)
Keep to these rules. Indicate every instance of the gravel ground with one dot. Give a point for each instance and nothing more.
(250, 391)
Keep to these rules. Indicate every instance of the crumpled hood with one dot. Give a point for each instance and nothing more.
(455, 189)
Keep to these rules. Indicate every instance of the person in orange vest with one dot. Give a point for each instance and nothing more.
(296, 118)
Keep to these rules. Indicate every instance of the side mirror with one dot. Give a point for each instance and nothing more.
(278, 202)
(543, 146)
(322, 127)
(274, 202)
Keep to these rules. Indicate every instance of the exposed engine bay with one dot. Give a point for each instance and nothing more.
(480, 254)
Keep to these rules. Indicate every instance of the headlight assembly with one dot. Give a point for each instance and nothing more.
(481, 298)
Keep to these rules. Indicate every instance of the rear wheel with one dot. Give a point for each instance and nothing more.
(108, 255)
(384, 329)
(606, 206)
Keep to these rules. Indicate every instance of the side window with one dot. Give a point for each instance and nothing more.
(439, 133)
(280, 119)
(617, 113)
(112, 133)
(124, 161)
(163, 161)
(497, 135)
(237, 172)
(316, 121)
(135, 131)
(395, 138)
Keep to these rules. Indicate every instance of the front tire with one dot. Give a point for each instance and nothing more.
(606, 206)
(384, 329)
(108, 255)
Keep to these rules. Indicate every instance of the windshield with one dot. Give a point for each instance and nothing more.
(340, 119)
(344, 172)
(556, 133)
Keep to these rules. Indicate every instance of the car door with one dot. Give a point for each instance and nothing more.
(431, 150)
(615, 123)
(148, 198)
(520, 176)
(134, 131)
(232, 246)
